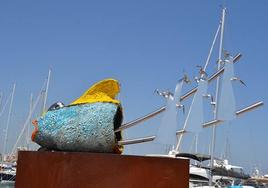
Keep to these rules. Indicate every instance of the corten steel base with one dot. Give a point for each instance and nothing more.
(99, 170)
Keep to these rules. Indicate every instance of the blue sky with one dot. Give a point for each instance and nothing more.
(145, 45)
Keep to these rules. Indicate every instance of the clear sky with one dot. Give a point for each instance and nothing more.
(145, 45)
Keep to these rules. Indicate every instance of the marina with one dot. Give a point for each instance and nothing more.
(203, 131)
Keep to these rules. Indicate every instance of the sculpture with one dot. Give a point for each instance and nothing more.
(87, 124)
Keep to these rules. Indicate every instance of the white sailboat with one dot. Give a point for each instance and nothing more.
(223, 174)
(25, 132)
(193, 124)
(7, 170)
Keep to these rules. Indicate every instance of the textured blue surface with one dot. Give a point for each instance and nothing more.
(86, 127)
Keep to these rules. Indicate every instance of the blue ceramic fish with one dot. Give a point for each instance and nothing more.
(87, 124)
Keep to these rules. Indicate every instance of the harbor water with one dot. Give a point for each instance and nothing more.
(6, 186)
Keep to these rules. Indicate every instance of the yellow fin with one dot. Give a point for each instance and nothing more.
(103, 91)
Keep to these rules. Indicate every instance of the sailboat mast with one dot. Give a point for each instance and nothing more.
(1, 98)
(221, 37)
(196, 142)
(46, 91)
(29, 130)
(8, 119)
(217, 96)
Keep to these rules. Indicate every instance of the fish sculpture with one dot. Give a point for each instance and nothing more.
(87, 124)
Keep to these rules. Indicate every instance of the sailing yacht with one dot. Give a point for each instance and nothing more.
(8, 162)
(220, 173)
(7, 173)
(217, 172)
(7, 170)
(223, 111)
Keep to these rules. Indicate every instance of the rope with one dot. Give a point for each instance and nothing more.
(212, 46)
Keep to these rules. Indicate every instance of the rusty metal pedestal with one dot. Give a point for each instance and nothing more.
(99, 170)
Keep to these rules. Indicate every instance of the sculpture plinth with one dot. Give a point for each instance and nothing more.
(99, 170)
